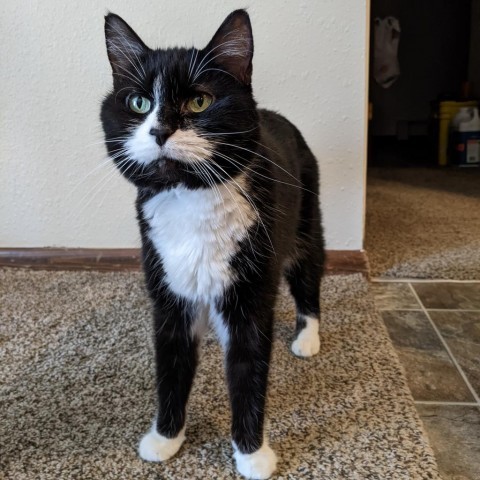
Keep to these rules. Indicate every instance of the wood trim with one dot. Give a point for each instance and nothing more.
(118, 259)
(103, 259)
(343, 262)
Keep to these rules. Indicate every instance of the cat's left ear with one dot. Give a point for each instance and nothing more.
(124, 46)
(232, 46)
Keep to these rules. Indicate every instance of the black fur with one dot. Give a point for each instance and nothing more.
(282, 183)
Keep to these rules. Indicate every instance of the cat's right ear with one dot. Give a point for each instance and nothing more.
(124, 46)
(232, 46)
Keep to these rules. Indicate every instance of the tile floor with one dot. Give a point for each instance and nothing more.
(435, 327)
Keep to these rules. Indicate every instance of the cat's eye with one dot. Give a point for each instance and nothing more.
(199, 102)
(138, 104)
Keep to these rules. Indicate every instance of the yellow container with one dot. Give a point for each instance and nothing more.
(446, 112)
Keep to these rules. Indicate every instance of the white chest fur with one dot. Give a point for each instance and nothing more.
(196, 233)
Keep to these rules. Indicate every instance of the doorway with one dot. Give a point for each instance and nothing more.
(423, 197)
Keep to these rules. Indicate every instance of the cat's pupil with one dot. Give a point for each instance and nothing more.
(139, 102)
(199, 101)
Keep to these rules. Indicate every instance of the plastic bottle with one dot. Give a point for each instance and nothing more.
(463, 115)
(466, 138)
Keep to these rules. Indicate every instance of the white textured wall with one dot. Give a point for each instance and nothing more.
(309, 64)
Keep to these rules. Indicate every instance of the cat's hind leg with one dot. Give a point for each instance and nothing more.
(303, 277)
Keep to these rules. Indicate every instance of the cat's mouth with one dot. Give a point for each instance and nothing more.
(158, 169)
(166, 165)
(168, 171)
(162, 172)
(172, 162)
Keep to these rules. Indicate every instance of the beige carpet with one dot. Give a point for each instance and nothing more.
(424, 223)
(77, 393)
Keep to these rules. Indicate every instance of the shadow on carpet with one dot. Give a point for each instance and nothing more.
(77, 388)
(423, 223)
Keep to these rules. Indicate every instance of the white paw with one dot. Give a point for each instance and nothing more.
(257, 465)
(307, 342)
(154, 447)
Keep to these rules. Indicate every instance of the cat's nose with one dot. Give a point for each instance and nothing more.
(160, 134)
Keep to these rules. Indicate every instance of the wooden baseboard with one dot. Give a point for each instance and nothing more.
(344, 262)
(118, 259)
(103, 259)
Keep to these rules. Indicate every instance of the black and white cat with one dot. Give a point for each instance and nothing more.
(227, 204)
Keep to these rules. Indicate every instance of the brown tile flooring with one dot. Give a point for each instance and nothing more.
(435, 327)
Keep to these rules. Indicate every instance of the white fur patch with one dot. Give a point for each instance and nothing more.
(221, 328)
(200, 323)
(257, 465)
(141, 146)
(154, 447)
(183, 145)
(307, 342)
(196, 233)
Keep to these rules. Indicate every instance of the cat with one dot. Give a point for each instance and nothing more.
(227, 204)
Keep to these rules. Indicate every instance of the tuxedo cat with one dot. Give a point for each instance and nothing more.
(227, 204)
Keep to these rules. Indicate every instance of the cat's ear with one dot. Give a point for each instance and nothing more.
(232, 46)
(124, 46)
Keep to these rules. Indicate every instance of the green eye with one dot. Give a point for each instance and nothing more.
(199, 103)
(138, 104)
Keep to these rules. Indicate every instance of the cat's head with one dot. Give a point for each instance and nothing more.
(180, 116)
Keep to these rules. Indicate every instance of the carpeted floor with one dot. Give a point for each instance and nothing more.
(77, 392)
(423, 223)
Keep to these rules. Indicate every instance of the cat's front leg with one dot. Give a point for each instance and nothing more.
(247, 339)
(176, 350)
